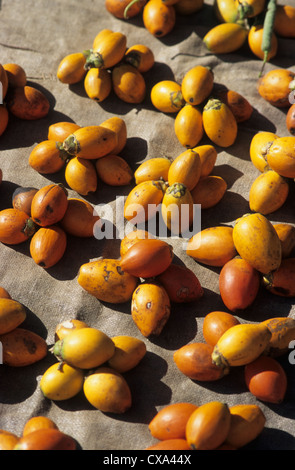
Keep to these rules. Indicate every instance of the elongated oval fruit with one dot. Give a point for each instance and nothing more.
(194, 360)
(219, 123)
(213, 246)
(46, 439)
(166, 96)
(178, 209)
(71, 68)
(150, 308)
(48, 157)
(98, 84)
(266, 379)
(49, 204)
(61, 382)
(259, 147)
(108, 51)
(170, 421)
(239, 284)
(22, 347)
(129, 351)
(106, 280)
(281, 280)
(225, 38)
(147, 258)
(12, 314)
(185, 169)
(208, 426)
(241, 344)
(188, 126)
(27, 103)
(84, 348)
(81, 175)
(107, 390)
(128, 83)
(197, 84)
(91, 142)
(282, 333)
(114, 170)
(247, 422)
(143, 201)
(257, 242)
(276, 85)
(16, 226)
(48, 245)
(237, 103)
(209, 191)
(268, 192)
(181, 283)
(152, 169)
(158, 18)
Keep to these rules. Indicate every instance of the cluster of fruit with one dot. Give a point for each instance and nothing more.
(91, 361)
(109, 65)
(45, 216)
(230, 343)
(259, 23)
(273, 156)
(158, 16)
(145, 276)
(256, 22)
(175, 189)
(39, 433)
(18, 98)
(209, 426)
(89, 154)
(200, 107)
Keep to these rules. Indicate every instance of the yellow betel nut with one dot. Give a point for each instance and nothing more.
(107, 390)
(84, 348)
(241, 344)
(257, 242)
(128, 353)
(61, 381)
